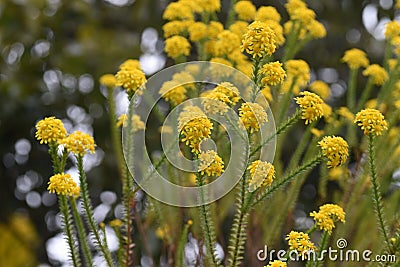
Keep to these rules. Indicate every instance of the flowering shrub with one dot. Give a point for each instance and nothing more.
(255, 42)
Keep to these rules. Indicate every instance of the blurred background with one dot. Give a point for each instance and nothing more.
(52, 54)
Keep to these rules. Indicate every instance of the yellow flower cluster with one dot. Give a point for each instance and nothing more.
(392, 29)
(311, 106)
(355, 58)
(371, 121)
(298, 69)
(259, 40)
(108, 80)
(320, 88)
(218, 99)
(173, 92)
(211, 163)
(177, 46)
(273, 73)
(378, 74)
(137, 123)
(130, 76)
(63, 184)
(115, 223)
(50, 130)
(79, 143)
(336, 149)
(262, 174)
(327, 215)
(227, 42)
(253, 116)
(266, 13)
(197, 31)
(277, 263)
(245, 10)
(300, 242)
(194, 125)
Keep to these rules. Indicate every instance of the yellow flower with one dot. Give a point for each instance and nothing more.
(63, 184)
(253, 116)
(267, 13)
(320, 88)
(239, 28)
(218, 99)
(178, 11)
(121, 120)
(194, 125)
(316, 132)
(115, 223)
(377, 74)
(226, 43)
(371, 121)
(278, 30)
(276, 263)
(173, 92)
(311, 106)
(108, 80)
(262, 174)
(316, 29)
(130, 79)
(336, 149)
(163, 232)
(184, 78)
(337, 173)
(197, 31)
(79, 143)
(210, 163)
(392, 29)
(214, 28)
(130, 64)
(137, 123)
(293, 5)
(230, 91)
(220, 71)
(355, 58)
(327, 215)
(303, 14)
(288, 29)
(210, 6)
(50, 130)
(177, 46)
(298, 69)
(245, 10)
(175, 27)
(273, 73)
(346, 113)
(259, 40)
(300, 242)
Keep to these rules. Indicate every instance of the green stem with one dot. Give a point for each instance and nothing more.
(89, 212)
(322, 245)
(278, 184)
(255, 78)
(207, 224)
(351, 94)
(69, 230)
(285, 101)
(376, 194)
(291, 42)
(365, 94)
(388, 54)
(81, 233)
(231, 14)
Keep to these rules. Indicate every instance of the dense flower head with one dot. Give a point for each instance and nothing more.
(63, 184)
(173, 92)
(130, 79)
(253, 116)
(298, 69)
(217, 70)
(245, 10)
(377, 73)
(267, 13)
(230, 91)
(137, 123)
(300, 242)
(355, 58)
(336, 149)
(327, 215)
(210, 5)
(346, 113)
(130, 64)
(293, 5)
(184, 78)
(194, 125)
(210, 163)
(226, 43)
(108, 80)
(177, 46)
(316, 29)
(262, 174)
(278, 30)
(304, 14)
(311, 106)
(392, 29)
(239, 28)
(79, 143)
(273, 73)
(277, 263)
(371, 121)
(320, 88)
(50, 130)
(259, 40)
(218, 99)
(176, 27)
(214, 28)
(178, 11)
(115, 223)
(197, 31)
